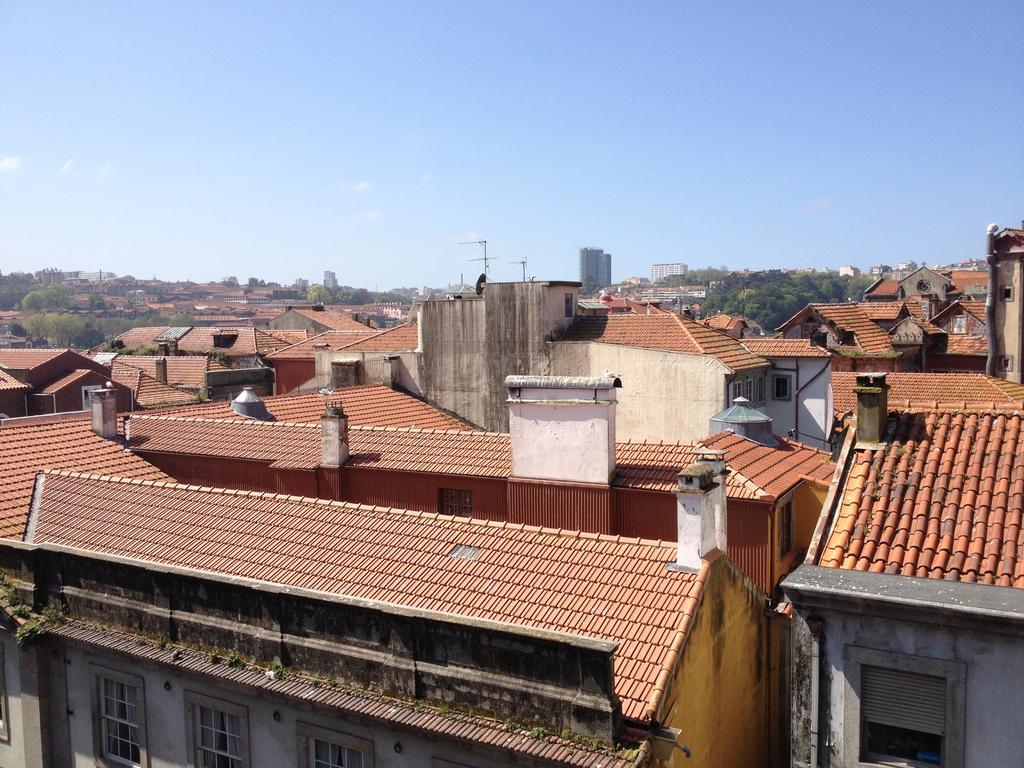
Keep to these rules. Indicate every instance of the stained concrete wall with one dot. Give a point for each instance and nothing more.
(470, 345)
(809, 409)
(392, 369)
(24, 705)
(718, 696)
(664, 395)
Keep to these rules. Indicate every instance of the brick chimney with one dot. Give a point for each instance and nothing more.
(104, 411)
(701, 518)
(562, 428)
(872, 406)
(333, 436)
(161, 370)
(163, 349)
(172, 347)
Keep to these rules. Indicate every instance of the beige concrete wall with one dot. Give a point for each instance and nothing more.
(664, 395)
(374, 368)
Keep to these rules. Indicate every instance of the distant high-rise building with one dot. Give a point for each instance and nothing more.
(849, 271)
(661, 272)
(330, 280)
(595, 268)
(301, 283)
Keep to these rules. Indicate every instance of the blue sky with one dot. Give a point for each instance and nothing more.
(281, 139)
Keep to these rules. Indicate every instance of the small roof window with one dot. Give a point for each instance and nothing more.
(464, 552)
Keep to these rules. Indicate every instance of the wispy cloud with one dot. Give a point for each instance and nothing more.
(358, 187)
(370, 215)
(9, 163)
(817, 205)
(66, 168)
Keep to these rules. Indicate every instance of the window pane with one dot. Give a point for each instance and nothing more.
(220, 743)
(327, 754)
(119, 720)
(890, 741)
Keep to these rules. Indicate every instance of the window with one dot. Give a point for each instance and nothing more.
(322, 748)
(748, 389)
(455, 501)
(1006, 363)
(923, 286)
(119, 723)
(780, 388)
(785, 528)
(737, 389)
(570, 305)
(959, 324)
(220, 732)
(903, 710)
(1006, 293)
(759, 390)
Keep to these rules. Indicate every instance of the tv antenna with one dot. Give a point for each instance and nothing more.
(485, 259)
(522, 262)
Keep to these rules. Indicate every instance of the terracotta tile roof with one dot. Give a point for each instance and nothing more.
(70, 378)
(668, 332)
(9, 382)
(148, 391)
(965, 279)
(975, 308)
(942, 500)
(19, 359)
(962, 344)
(336, 321)
(765, 347)
(372, 404)
(71, 444)
(920, 391)
(333, 340)
(884, 310)
(401, 338)
(758, 471)
(246, 344)
(521, 575)
(884, 288)
(182, 370)
(289, 337)
(723, 322)
(870, 337)
(141, 337)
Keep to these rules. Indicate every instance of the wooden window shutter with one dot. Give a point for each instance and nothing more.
(903, 699)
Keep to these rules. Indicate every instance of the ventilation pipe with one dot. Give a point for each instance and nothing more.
(161, 370)
(701, 517)
(249, 405)
(990, 300)
(872, 393)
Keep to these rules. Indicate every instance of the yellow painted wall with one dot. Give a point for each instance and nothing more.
(808, 500)
(718, 696)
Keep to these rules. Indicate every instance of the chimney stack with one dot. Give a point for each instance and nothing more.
(161, 370)
(333, 436)
(172, 347)
(163, 349)
(563, 428)
(872, 406)
(104, 411)
(701, 510)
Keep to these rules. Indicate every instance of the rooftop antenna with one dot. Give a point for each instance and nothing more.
(484, 258)
(523, 263)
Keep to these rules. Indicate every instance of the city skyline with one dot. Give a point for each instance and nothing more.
(350, 139)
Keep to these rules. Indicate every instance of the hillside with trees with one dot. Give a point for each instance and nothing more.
(770, 298)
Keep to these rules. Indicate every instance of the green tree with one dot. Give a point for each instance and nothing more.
(318, 294)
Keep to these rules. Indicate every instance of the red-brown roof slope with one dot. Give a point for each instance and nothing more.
(9, 382)
(149, 392)
(332, 340)
(401, 338)
(967, 279)
(182, 370)
(850, 317)
(371, 404)
(669, 332)
(584, 584)
(765, 347)
(20, 359)
(883, 288)
(884, 310)
(944, 499)
(27, 450)
(336, 321)
(723, 322)
(962, 344)
(921, 391)
(70, 378)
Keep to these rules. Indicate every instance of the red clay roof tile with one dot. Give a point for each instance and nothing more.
(920, 391)
(153, 522)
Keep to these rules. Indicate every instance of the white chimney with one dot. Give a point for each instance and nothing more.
(563, 428)
(333, 437)
(103, 403)
(701, 509)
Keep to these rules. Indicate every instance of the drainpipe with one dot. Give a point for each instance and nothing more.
(814, 626)
(990, 300)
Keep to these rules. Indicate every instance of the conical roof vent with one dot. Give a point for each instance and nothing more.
(744, 420)
(249, 405)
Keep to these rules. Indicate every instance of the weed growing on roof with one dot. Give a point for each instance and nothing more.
(162, 643)
(53, 613)
(235, 661)
(539, 733)
(280, 673)
(512, 726)
(213, 657)
(30, 631)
